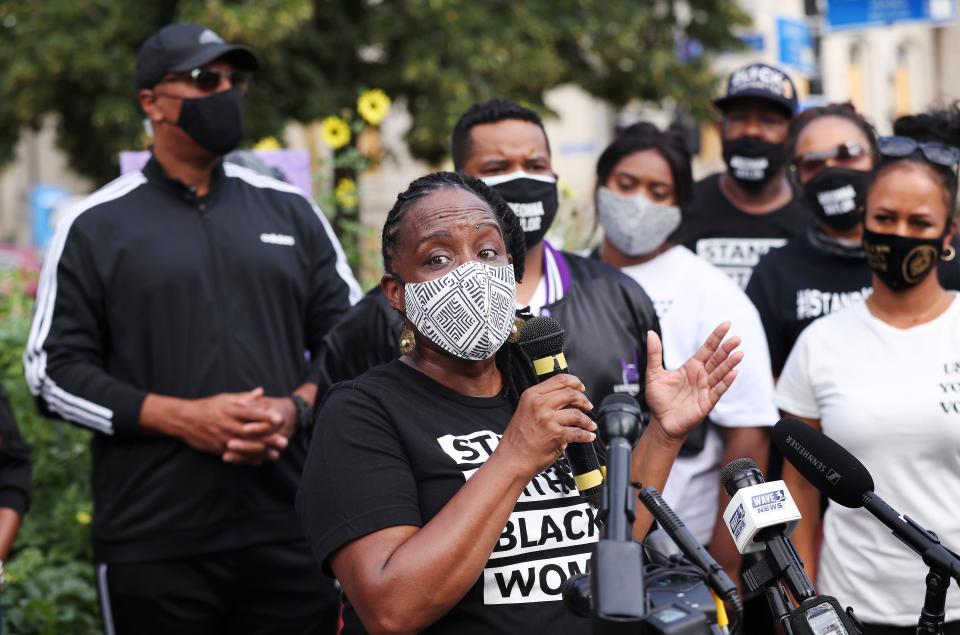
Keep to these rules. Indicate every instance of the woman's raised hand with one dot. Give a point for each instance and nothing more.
(680, 399)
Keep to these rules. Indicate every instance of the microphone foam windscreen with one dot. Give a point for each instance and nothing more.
(825, 463)
(735, 467)
(542, 337)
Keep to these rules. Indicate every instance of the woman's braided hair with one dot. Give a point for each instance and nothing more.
(518, 374)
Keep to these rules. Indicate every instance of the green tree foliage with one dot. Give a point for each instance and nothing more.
(50, 588)
(75, 58)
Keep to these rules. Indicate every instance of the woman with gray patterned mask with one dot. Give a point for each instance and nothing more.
(430, 490)
(644, 179)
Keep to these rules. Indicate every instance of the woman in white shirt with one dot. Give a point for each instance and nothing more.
(644, 179)
(882, 378)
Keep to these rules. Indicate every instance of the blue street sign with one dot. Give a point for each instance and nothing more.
(753, 41)
(858, 14)
(795, 40)
(43, 200)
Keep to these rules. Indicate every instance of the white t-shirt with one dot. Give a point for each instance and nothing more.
(892, 398)
(692, 297)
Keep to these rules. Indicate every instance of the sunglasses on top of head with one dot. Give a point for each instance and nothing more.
(815, 161)
(209, 80)
(932, 151)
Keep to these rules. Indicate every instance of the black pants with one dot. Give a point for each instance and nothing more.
(272, 589)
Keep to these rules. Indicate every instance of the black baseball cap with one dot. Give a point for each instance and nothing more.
(760, 81)
(177, 48)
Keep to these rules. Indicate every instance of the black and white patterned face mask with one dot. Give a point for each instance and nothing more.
(467, 312)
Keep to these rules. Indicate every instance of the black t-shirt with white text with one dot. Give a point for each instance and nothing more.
(392, 447)
(795, 284)
(723, 235)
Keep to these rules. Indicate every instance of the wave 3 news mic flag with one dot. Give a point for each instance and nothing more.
(757, 507)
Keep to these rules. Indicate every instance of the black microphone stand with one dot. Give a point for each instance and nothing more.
(933, 613)
(943, 563)
(617, 566)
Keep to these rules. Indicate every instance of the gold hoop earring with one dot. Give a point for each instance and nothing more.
(518, 323)
(408, 341)
(949, 254)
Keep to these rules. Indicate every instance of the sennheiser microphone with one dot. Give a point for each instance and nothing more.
(717, 578)
(846, 481)
(542, 339)
(759, 517)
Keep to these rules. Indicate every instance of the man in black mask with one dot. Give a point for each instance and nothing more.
(740, 214)
(173, 314)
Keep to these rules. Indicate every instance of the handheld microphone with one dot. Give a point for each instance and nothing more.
(542, 339)
(717, 578)
(756, 505)
(759, 517)
(845, 480)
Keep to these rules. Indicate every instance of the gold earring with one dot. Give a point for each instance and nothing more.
(408, 341)
(518, 323)
(949, 254)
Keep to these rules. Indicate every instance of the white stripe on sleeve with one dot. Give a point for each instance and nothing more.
(71, 407)
(259, 180)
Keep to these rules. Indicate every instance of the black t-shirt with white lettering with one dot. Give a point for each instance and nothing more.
(723, 235)
(795, 284)
(392, 447)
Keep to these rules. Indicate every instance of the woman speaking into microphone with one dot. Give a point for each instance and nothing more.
(431, 489)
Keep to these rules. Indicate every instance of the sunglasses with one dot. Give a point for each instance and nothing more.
(934, 152)
(208, 80)
(816, 161)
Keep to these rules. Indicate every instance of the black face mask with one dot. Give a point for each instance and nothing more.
(752, 162)
(214, 122)
(836, 197)
(532, 197)
(901, 262)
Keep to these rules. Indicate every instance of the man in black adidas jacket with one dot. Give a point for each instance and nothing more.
(175, 311)
(606, 314)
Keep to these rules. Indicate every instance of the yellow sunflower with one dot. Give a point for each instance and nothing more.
(373, 106)
(346, 193)
(335, 132)
(268, 143)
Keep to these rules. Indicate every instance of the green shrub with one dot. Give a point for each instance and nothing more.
(50, 575)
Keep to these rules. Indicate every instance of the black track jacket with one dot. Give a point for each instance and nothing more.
(147, 288)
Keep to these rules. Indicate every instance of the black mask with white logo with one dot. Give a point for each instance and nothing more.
(836, 197)
(532, 197)
(901, 262)
(752, 162)
(214, 122)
